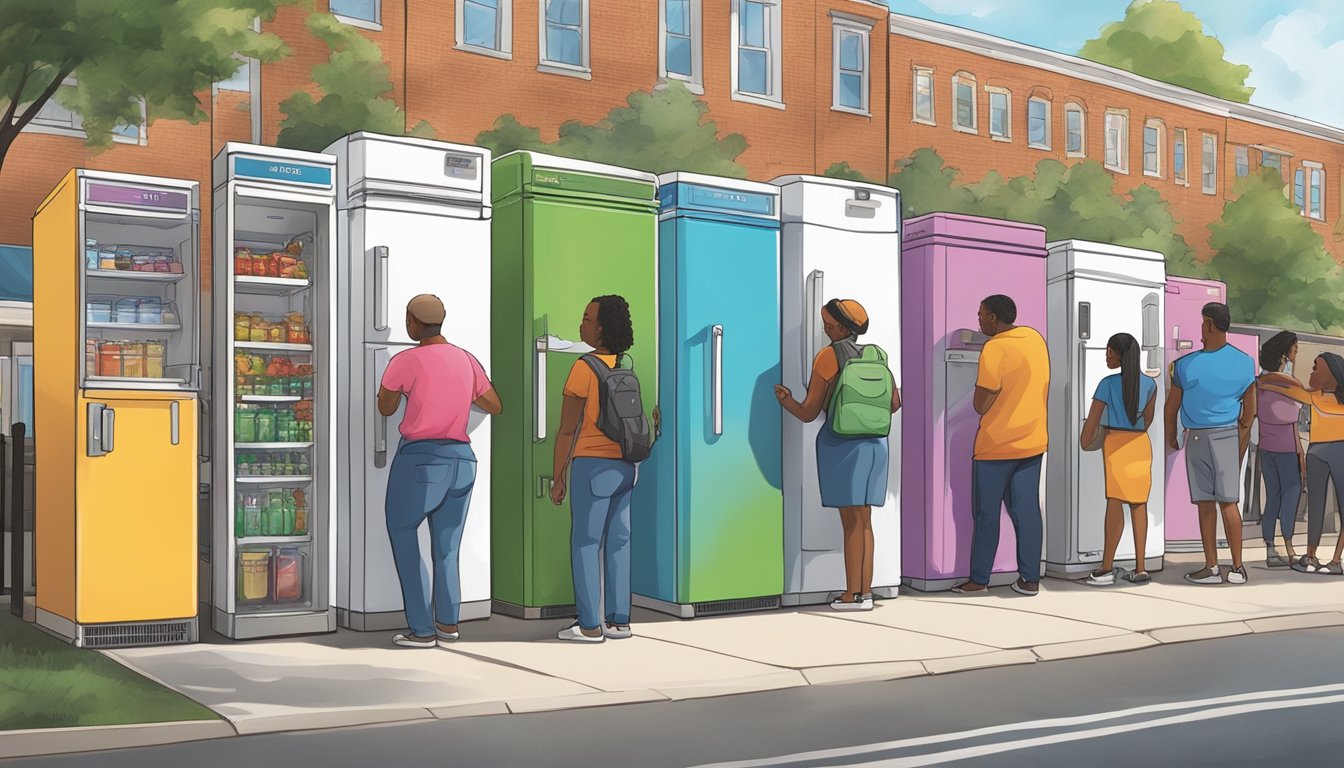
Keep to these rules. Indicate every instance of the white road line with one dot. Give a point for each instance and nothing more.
(1030, 725)
(967, 753)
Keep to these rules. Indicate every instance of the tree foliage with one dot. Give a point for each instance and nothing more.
(120, 52)
(1162, 40)
(1277, 270)
(657, 132)
(354, 82)
(845, 171)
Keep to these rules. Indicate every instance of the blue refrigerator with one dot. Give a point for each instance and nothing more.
(707, 530)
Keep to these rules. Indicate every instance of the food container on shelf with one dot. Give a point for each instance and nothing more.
(99, 310)
(254, 570)
(289, 575)
(125, 310)
(90, 253)
(133, 360)
(109, 358)
(90, 357)
(156, 359)
(244, 424)
(149, 311)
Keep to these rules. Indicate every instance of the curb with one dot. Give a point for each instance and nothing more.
(51, 741)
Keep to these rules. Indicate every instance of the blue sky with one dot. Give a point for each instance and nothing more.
(1295, 48)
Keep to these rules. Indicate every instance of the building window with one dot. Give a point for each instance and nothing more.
(1178, 156)
(1317, 210)
(564, 36)
(1038, 123)
(1075, 122)
(1309, 190)
(1241, 162)
(1117, 140)
(57, 119)
(963, 103)
(1209, 164)
(756, 33)
(241, 80)
(485, 26)
(924, 96)
(1000, 108)
(1272, 160)
(679, 27)
(360, 13)
(1152, 147)
(849, 46)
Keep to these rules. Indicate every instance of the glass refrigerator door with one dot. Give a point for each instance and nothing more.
(279, 253)
(140, 256)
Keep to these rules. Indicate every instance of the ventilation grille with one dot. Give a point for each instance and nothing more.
(127, 635)
(559, 611)
(736, 606)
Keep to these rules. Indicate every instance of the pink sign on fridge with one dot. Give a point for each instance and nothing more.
(949, 263)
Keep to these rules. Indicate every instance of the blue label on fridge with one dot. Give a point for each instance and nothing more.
(277, 170)
(716, 199)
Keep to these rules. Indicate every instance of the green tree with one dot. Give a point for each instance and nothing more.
(122, 52)
(1277, 270)
(928, 185)
(1162, 40)
(353, 82)
(658, 132)
(845, 171)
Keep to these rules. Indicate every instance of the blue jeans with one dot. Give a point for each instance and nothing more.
(1283, 489)
(429, 479)
(599, 503)
(1016, 484)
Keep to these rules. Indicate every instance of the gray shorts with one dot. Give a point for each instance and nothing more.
(1213, 464)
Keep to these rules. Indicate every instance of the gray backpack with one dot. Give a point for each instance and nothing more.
(620, 409)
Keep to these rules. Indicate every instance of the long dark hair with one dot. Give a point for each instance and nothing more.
(1336, 365)
(1273, 351)
(1127, 348)
(613, 315)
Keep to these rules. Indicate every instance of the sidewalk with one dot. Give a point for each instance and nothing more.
(507, 665)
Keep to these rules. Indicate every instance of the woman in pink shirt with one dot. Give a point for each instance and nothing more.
(1281, 459)
(434, 468)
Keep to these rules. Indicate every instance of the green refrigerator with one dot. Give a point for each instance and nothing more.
(564, 232)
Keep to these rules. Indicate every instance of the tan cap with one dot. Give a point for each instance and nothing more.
(426, 308)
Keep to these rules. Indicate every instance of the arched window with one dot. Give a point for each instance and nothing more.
(1075, 129)
(964, 114)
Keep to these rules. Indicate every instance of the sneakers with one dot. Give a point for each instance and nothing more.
(616, 631)
(970, 588)
(864, 604)
(1139, 577)
(1237, 575)
(575, 632)
(1334, 568)
(414, 641)
(1100, 578)
(1276, 561)
(1028, 588)
(1207, 576)
(1307, 564)
(446, 639)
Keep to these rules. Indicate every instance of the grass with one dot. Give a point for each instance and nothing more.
(46, 683)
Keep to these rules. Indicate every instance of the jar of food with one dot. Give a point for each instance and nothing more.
(242, 327)
(244, 424)
(109, 359)
(259, 265)
(124, 259)
(133, 360)
(156, 359)
(266, 426)
(296, 328)
(254, 576)
(242, 261)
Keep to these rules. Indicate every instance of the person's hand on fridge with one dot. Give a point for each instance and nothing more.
(558, 489)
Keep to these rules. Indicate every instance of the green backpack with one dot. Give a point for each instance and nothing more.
(861, 399)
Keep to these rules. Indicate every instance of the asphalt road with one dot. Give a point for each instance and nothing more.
(1252, 700)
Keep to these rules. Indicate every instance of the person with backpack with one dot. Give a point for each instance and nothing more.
(1012, 392)
(603, 436)
(854, 385)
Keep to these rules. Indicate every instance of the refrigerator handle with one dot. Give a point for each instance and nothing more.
(1082, 373)
(376, 364)
(109, 418)
(716, 377)
(94, 445)
(539, 391)
(173, 423)
(380, 257)
(815, 283)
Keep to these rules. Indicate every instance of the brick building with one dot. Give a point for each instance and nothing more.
(808, 82)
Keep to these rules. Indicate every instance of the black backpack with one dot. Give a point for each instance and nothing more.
(620, 410)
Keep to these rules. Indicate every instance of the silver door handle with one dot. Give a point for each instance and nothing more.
(1082, 373)
(380, 257)
(815, 284)
(379, 420)
(716, 377)
(544, 484)
(102, 424)
(109, 419)
(539, 391)
(173, 430)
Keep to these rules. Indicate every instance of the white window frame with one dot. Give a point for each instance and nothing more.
(1121, 164)
(928, 74)
(967, 79)
(842, 24)
(1049, 118)
(1313, 171)
(991, 91)
(695, 82)
(503, 32)
(775, 78)
(584, 69)
(76, 128)
(375, 25)
(1071, 107)
(1208, 171)
(1180, 175)
(1154, 124)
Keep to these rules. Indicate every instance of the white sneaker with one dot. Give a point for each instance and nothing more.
(575, 632)
(865, 604)
(411, 641)
(1237, 575)
(1101, 579)
(616, 631)
(446, 639)
(1206, 576)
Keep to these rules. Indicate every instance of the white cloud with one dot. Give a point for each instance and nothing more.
(974, 8)
(1293, 69)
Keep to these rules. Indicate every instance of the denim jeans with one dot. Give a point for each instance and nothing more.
(1016, 484)
(1283, 489)
(599, 504)
(429, 479)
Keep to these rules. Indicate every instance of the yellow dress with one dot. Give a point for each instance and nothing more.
(1128, 459)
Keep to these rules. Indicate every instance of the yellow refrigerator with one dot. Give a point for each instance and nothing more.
(116, 351)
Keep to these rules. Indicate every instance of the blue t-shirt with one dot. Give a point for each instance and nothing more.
(1212, 384)
(1111, 391)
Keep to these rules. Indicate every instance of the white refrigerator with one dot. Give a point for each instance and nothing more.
(413, 217)
(840, 239)
(1093, 291)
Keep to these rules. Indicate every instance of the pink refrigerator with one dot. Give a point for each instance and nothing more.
(949, 263)
(1185, 298)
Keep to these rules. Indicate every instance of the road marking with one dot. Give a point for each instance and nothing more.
(1030, 725)
(966, 753)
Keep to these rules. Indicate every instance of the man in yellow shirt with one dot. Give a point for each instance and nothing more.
(1011, 395)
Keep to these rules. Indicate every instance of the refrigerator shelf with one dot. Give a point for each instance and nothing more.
(269, 286)
(274, 346)
(269, 398)
(135, 327)
(271, 446)
(132, 382)
(141, 277)
(274, 479)
(246, 541)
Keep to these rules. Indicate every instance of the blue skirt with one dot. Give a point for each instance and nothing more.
(852, 472)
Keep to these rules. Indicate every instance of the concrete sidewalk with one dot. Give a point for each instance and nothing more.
(507, 665)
